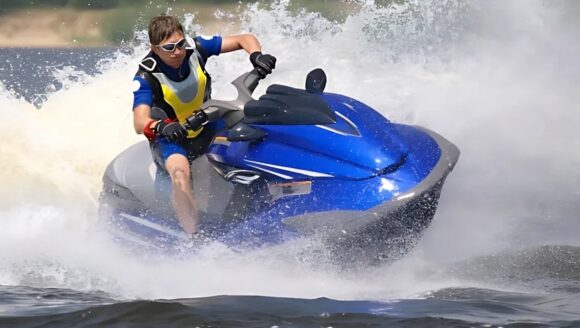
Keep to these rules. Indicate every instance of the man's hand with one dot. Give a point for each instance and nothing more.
(173, 131)
(263, 62)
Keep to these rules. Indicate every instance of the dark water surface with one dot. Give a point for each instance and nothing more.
(27, 307)
(30, 72)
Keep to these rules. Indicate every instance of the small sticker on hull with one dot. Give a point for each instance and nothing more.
(221, 141)
(278, 190)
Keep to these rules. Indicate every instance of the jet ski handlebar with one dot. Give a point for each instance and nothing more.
(231, 110)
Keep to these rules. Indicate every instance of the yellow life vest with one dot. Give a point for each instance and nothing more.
(182, 97)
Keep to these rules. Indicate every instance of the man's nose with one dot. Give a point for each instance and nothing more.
(178, 50)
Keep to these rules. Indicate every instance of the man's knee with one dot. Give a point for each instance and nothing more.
(179, 178)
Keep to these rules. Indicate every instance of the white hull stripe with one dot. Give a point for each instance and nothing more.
(283, 176)
(333, 130)
(155, 226)
(293, 170)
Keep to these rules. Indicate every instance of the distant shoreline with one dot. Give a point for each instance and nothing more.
(74, 28)
(64, 48)
(103, 28)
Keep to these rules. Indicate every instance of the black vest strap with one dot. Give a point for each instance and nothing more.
(201, 52)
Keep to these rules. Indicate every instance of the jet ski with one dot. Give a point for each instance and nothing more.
(294, 163)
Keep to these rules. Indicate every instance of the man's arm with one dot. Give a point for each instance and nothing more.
(265, 63)
(248, 42)
(141, 117)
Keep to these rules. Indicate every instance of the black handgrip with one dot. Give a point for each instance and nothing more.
(252, 80)
(195, 121)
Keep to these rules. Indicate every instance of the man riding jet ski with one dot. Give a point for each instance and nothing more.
(294, 163)
(172, 83)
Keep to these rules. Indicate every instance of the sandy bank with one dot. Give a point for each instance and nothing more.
(76, 28)
(52, 28)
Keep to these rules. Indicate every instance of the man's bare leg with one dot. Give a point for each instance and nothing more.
(182, 197)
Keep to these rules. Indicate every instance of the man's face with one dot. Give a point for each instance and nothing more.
(172, 58)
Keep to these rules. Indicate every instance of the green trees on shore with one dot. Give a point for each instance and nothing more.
(9, 5)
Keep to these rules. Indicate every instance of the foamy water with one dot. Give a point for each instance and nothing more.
(500, 80)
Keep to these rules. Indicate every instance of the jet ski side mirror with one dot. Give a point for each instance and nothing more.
(316, 81)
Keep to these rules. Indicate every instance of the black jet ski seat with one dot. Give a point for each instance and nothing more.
(287, 105)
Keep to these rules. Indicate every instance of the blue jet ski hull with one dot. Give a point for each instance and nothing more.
(364, 185)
